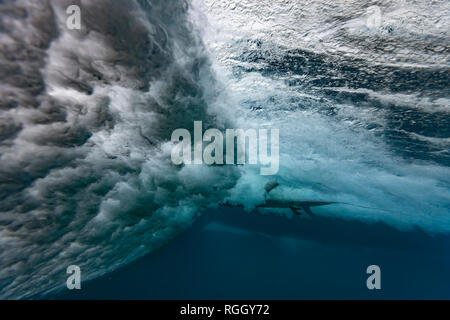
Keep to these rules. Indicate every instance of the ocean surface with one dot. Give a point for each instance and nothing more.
(359, 91)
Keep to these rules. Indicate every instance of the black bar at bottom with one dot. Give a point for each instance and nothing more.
(220, 309)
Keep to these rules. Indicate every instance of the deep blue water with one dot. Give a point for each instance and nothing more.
(232, 254)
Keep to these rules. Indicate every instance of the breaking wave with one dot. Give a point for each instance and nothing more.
(86, 118)
(363, 110)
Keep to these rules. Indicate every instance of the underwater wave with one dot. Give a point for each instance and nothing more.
(363, 108)
(86, 119)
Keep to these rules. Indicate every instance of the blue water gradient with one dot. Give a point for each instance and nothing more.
(232, 254)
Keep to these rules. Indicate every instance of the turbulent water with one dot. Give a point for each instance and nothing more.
(86, 118)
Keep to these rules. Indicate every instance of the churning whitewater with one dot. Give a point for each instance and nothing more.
(86, 120)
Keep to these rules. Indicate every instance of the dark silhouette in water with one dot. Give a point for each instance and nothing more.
(296, 206)
(299, 206)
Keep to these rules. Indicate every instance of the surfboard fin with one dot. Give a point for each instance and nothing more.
(308, 211)
(296, 211)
